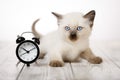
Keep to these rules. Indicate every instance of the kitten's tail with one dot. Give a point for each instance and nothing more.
(36, 34)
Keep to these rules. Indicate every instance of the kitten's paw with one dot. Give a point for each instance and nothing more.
(95, 60)
(56, 63)
(41, 56)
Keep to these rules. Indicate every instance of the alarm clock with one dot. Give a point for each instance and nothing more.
(27, 51)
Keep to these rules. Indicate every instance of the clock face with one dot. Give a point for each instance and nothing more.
(27, 51)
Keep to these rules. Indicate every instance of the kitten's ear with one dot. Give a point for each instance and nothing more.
(91, 16)
(59, 16)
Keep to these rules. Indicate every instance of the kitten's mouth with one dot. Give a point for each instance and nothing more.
(73, 36)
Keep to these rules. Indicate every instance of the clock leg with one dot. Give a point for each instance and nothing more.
(28, 65)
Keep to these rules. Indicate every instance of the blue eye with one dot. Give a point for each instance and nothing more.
(67, 28)
(79, 28)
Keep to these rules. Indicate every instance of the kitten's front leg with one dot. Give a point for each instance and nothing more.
(42, 55)
(56, 60)
(88, 55)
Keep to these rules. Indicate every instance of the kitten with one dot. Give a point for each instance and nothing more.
(71, 41)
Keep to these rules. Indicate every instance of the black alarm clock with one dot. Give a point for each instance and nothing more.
(27, 51)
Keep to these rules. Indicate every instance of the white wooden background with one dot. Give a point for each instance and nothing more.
(108, 70)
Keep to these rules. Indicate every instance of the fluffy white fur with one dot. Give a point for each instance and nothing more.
(59, 46)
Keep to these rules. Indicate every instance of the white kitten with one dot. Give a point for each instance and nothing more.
(70, 41)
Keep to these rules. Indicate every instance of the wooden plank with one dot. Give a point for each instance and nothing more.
(60, 73)
(80, 71)
(8, 60)
(34, 72)
(111, 50)
(4, 46)
(105, 71)
(45, 72)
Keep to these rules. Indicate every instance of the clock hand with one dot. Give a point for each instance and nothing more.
(23, 54)
(25, 49)
(31, 49)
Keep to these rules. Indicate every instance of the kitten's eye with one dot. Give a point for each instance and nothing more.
(79, 28)
(67, 28)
